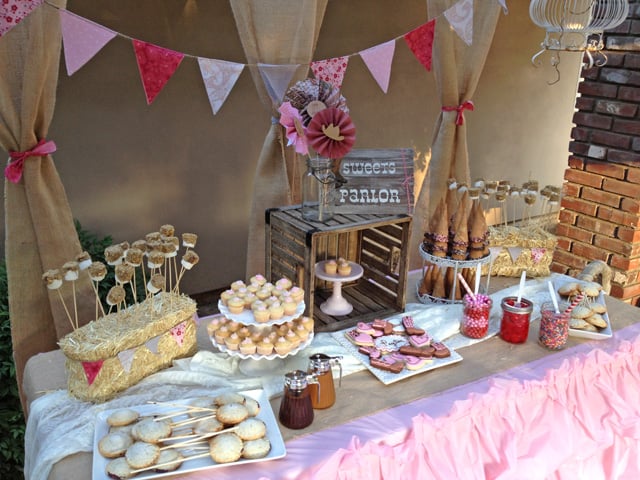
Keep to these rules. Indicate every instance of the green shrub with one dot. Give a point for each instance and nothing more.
(12, 423)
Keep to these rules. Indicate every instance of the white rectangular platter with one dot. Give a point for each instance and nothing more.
(274, 435)
(388, 377)
(574, 332)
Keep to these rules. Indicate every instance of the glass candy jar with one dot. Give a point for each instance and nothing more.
(318, 190)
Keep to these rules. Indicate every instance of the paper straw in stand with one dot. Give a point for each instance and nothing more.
(466, 286)
(523, 278)
(552, 292)
(574, 304)
(478, 275)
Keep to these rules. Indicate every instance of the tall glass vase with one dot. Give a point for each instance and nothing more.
(318, 190)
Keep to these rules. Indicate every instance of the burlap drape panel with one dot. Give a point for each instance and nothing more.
(276, 32)
(39, 229)
(457, 68)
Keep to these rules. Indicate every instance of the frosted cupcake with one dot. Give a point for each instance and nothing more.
(249, 298)
(331, 267)
(261, 313)
(263, 294)
(344, 268)
(284, 283)
(258, 279)
(237, 285)
(232, 341)
(293, 338)
(282, 346)
(235, 305)
(213, 325)
(307, 322)
(221, 334)
(265, 347)
(297, 294)
(244, 332)
(276, 311)
(226, 295)
(289, 305)
(248, 347)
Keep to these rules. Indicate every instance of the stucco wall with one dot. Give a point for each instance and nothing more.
(128, 167)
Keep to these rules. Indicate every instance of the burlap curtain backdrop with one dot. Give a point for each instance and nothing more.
(275, 32)
(457, 68)
(39, 228)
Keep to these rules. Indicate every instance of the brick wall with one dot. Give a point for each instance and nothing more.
(600, 208)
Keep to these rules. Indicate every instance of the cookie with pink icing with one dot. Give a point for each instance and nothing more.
(409, 326)
(411, 362)
(420, 341)
(441, 350)
(360, 339)
(363, 327)
(382, 326)
(371, 352)
(393, 367)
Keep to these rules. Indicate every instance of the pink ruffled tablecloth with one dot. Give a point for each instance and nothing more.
(571, 415)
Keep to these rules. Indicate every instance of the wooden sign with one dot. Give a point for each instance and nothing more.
(378, 181)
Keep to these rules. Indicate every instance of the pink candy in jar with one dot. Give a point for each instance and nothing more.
(475, 315)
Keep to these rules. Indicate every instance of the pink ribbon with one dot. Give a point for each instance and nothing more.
(13, 171)
(467, 105)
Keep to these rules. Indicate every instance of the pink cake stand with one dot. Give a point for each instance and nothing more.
(336, 304)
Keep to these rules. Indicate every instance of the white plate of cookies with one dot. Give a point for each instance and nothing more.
(589, 319)
(393, 351)
(171, 438)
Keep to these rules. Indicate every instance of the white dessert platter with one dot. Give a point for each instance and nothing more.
(336, 304)
(278, 449)
(247, 318)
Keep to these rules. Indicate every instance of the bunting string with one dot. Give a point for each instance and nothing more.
(83, 39)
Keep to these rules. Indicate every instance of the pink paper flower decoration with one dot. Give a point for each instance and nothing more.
(331, 133)
(291, 119)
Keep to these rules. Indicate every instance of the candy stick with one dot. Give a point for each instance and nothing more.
(578, 298)
(198, 439)
(166, 464)
(523, 277)
(553, 297)
(192, 420)
(466, 286)
(478, 275)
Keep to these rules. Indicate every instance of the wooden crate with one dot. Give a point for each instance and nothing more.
(377, 242)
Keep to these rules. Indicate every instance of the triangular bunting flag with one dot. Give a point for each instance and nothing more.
(82, 39)
(494, 252)
(276, 79)
(177, 333)
(420, 41)
(460, 17)
(12, 12)
(378, 60)
(156, 65)
(503, 3)
(152, 344)
(219, 78)
(514, 252)
(92, 369)
(126, 359)
(331, 71)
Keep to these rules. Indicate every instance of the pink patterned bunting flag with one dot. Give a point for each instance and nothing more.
(537, 253)
(156, 66)
(92, 369)
(420, 41)
(152, 344)
(331, 70)
(126, 359)
(276, 79)
(219, 78)
(82, 39)
(460, 17)
(177, 333)
(12, 12)
(378, 60)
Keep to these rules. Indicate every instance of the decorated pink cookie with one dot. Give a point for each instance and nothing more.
(371, 352)
(363, 327)
(360, 339)
(419, 341)
(410, 327)
(411, 362)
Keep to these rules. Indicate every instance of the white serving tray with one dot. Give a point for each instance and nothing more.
(574, 332)
(388, 377)
(274, 435)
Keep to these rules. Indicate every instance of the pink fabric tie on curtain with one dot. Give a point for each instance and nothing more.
(13, 171)
(467, 105)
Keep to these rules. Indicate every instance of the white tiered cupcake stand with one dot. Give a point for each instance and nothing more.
(457, 265)
(256, 364)
(336, 304)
